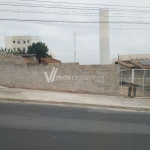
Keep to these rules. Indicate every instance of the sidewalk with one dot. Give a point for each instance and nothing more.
(73, 99)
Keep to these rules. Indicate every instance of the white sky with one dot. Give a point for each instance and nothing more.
(60, 39)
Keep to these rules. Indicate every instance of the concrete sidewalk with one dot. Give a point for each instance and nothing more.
(74, 99)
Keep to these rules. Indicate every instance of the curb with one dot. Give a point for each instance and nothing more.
(75, 104)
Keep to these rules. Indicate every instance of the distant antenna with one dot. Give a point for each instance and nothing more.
(74, 47)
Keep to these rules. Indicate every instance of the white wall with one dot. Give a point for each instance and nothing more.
(9, 42)
(35, 39)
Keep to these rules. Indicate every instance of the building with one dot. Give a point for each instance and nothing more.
(104, 37)
(132, 57)
(20, 42)
(135, 61)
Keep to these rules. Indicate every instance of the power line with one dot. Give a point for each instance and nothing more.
(88, 4)
(82, 26)
(72, 7)
(76, 22)
(62, 13)
(76, 12)
(42, 12)
(72, 22)
(48, 6)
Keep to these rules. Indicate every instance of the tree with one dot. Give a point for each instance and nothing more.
(7, 50)
(40, 49)
(12, 51)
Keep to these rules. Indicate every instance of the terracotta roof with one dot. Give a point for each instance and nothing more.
(49, 60)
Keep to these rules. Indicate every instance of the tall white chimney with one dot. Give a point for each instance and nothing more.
(104, 37)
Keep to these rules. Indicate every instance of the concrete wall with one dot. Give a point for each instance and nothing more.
(49, 60)
(31, 60)
(15, 73)
(9, 58)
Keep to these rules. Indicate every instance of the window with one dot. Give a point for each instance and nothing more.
(13, 41)
(14, 49)
(24, 42)
(18, 48)
(18, 42)
(28, 41)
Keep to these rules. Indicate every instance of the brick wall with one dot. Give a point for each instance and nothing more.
(10, 58)
(15, 73)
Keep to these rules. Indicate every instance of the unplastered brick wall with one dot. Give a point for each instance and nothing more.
(10, 58)
(17, 74)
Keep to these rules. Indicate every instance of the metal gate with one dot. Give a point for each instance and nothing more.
(140, 78)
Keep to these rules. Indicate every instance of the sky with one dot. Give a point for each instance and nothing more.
(125, 39)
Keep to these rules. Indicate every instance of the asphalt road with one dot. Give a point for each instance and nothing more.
(45, 127)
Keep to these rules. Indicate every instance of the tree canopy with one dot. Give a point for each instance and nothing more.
(40, 49)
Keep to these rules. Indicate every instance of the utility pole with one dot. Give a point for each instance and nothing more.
(74, 47)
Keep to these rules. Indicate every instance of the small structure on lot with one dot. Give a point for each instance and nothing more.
(135, 61)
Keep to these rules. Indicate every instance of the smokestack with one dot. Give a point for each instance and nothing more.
(104, 37)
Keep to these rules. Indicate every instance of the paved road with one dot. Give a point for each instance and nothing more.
(41, 127)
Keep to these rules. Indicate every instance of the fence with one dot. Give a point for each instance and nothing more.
(140, 78)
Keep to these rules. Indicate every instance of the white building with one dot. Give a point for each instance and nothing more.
(132, 57)
(20, 42)
(104, 37)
